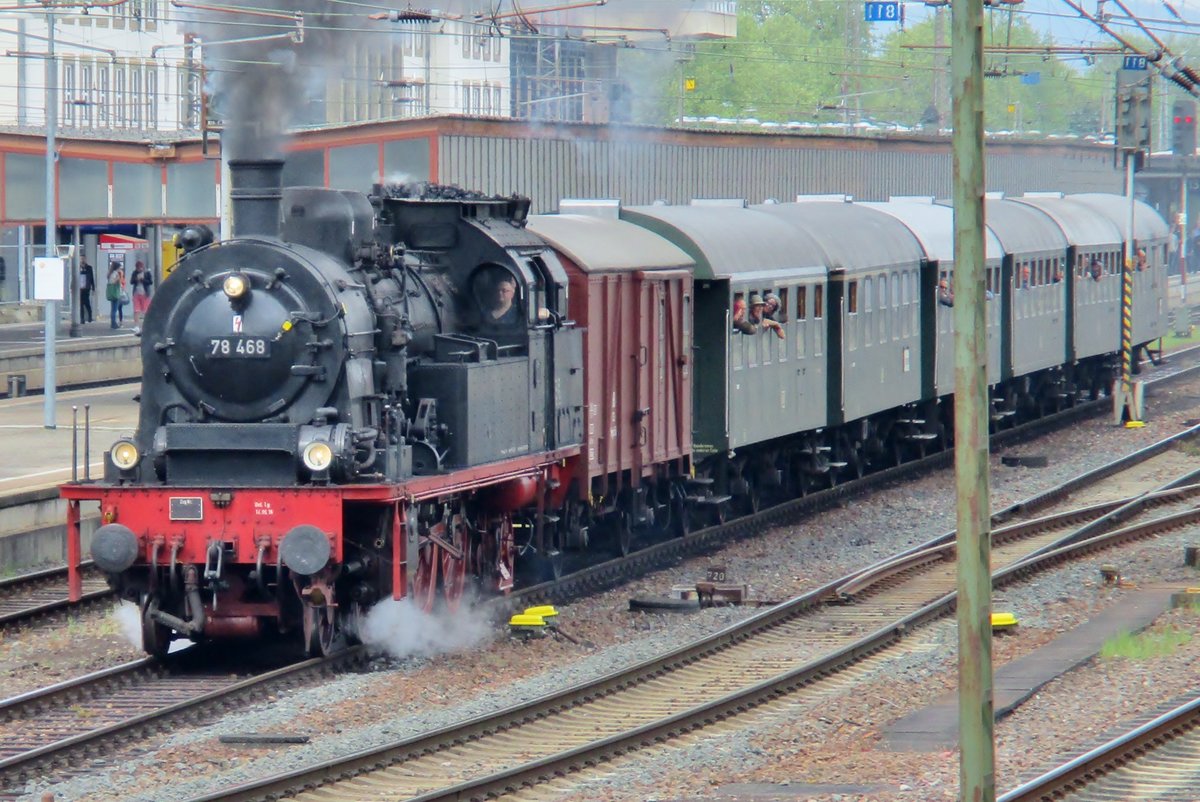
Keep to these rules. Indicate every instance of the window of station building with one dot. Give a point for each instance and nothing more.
(353, 167)
(24, 186)
(100, 97)
(68, 94)
(151, 97)
(135, 96)
(137, 189)
(408, 157)
(190, 190)
(83, 188)
(414, 42)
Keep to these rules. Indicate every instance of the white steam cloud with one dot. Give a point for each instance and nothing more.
(403, 630)
(129, 622)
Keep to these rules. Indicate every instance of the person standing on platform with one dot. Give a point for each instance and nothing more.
(140, 283)
(87, 288)
(113, 292)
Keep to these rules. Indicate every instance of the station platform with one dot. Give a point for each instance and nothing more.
(935, 728)
(41, 457)
(32, 516)
(99, 354)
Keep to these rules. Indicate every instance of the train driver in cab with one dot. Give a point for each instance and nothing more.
(498, 298)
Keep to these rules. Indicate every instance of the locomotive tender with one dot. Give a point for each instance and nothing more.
(427, 390)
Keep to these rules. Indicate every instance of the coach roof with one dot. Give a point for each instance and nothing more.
(933, 226)
(1147, 224)
(853, 237)
(730, 241)
(1079, 221)
(600, 244)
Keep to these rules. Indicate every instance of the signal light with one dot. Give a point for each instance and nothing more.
(1183, 132)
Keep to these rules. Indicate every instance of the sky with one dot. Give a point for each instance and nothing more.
(1068, 28)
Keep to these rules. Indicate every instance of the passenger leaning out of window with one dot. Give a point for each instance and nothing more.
(756, 321)
(945, 295)
(1142, 263)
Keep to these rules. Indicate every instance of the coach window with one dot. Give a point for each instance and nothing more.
(818, 312)
(868, 316)
(783, 317)
(801, 319)
(737, 345)
(852, 315)
(910, 295)
(884, 313)
(897, 313)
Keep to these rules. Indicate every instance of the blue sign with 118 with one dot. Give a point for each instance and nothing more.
(882, 11)
(1134, 63)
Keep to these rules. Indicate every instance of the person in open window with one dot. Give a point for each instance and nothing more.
(945, 295)
(1142, 263)
(771, 304)
(1096, 270)
(502, 309)
(756, 321)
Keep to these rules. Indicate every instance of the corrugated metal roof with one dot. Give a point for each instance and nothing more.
(1079, 221)
(852, 236)
(1147, 223)
(933, 226)
(600, 244)
(1022, 228)
(727, 241)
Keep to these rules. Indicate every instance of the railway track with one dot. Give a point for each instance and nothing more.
(1158, 761)
(805, 648)
(603, 576)
(63, 740)
(81, 718)
(41, 594)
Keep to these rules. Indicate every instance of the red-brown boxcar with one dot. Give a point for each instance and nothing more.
(632, 293)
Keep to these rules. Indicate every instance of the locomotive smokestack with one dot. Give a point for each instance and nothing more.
(255, 192)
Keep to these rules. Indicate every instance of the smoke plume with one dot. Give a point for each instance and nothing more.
(259, 86)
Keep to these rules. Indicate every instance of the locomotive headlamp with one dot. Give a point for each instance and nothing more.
(317, 455)
(125, 454)
(235, 285)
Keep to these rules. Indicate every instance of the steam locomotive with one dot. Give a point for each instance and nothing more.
(426, 392)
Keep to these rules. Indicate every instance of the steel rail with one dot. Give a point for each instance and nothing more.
(1092, 768)
(552, 766)
(698, 541)
(28, 763)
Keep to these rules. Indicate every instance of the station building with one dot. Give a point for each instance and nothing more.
(148, 190)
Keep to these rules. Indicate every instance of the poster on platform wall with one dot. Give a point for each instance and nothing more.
(48, 279)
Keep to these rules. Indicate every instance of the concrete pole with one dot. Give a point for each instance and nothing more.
(1182, 250)
(51, 221)
(977, 779)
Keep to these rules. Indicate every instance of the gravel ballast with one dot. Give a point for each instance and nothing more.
(834, 742)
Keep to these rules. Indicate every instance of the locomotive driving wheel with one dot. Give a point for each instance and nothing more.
(320, 630)
(156, 637)
(454, 562)
(424, 591)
